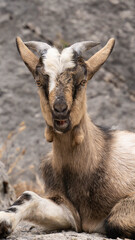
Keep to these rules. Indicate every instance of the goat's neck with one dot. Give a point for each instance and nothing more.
(87, 154)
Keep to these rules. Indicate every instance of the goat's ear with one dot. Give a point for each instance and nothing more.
(98, 59)
(29, 58)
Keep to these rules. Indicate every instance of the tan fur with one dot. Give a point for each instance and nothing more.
(49, 134)
(77, 135)
(45, 108)
(95, 62)
(30, 59)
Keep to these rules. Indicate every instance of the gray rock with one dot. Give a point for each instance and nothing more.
(7, 194)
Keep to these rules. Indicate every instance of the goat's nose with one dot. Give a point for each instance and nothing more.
(60, 106)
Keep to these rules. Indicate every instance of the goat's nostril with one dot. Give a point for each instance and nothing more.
(60, 107)
(64, 108)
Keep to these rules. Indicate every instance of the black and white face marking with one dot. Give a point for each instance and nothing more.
(52, 64)
(61, 77)
(56, 63)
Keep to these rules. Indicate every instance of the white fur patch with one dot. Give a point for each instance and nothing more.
(9, 219)
(66, 59)
(55, 63)
(126, 142)
(123, 160)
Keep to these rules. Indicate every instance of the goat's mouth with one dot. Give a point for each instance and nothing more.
(62, 125)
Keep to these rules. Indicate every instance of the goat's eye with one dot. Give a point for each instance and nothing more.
(83, 82)
(38, 82)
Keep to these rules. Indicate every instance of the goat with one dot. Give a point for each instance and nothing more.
(90, 174)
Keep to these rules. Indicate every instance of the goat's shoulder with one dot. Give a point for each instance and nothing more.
(125, 139)
(123, 147)
(121, 141)
(122, 160)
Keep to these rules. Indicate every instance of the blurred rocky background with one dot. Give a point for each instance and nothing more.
(111, 92)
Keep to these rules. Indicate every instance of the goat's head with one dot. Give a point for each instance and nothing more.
(62, 79)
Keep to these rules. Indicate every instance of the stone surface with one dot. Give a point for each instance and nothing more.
(7, 193)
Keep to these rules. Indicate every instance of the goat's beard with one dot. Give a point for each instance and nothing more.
(62, 125)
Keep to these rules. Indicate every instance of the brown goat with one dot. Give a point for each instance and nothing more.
(90, 173)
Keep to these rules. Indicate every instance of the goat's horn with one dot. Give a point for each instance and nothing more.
(39, 47)
(81, 47)
(29, 58)
(98, 59)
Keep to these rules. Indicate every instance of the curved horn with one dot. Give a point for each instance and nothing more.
(39, 47)
(29, 58)
(98, 59)
(80, 47)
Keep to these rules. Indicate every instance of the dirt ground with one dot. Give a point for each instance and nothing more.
(111, 93)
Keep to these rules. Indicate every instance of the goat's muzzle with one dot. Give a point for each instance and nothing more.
(61, 116)
(62, 125)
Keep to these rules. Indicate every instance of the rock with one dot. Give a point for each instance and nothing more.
(7, 193)
(4, 18)
(114, 2)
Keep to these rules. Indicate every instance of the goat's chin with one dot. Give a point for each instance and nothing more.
(62, 126)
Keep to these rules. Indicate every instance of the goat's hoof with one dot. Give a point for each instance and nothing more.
(5, 229)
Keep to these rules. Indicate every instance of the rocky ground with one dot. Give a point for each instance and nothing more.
(111, 93)
(26, 231)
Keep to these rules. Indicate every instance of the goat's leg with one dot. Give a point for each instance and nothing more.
(43, 211)
(121, 220)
